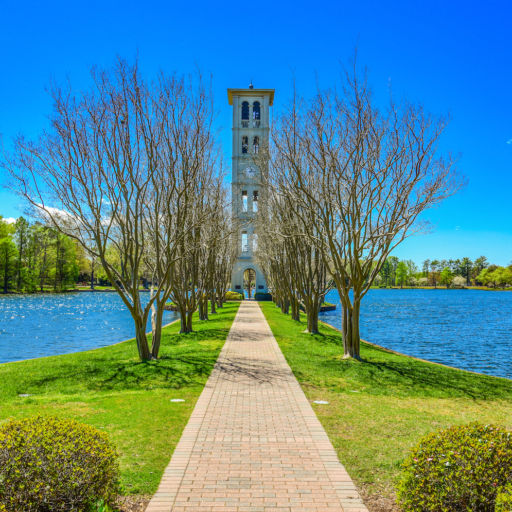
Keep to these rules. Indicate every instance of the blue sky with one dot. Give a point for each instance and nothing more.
(454, 57)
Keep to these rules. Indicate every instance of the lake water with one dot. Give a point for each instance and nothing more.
(470, 329)
(49, 324)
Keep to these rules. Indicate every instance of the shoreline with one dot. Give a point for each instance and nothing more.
(391, 351)
(82, 351)
(394, 288)
(73, 290)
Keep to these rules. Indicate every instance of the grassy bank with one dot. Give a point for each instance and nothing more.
(379, 407)
(112, 390)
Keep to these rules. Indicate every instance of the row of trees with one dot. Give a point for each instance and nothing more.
(36, 257)
(131, 171)
(465, 267)
(495, 276)
(458, 273)
(347, 183)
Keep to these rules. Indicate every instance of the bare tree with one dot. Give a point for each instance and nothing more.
(96, 174)
(359, 178)
(292, 261)
(190, 275)
(189, 169)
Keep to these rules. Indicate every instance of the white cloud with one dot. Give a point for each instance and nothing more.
(9, 220)
(61, 215)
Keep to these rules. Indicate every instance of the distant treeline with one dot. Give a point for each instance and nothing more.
(451, 273)
(35, 257)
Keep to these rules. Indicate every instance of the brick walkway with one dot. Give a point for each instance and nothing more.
(253, 442)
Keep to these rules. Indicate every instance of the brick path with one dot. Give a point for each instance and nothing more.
(253, 442)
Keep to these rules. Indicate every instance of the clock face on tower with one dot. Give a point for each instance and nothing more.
(250, 171)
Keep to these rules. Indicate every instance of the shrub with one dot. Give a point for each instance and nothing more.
(504, 499)
(58, 465)
(262, 296)
(233, 296)
(457, 469)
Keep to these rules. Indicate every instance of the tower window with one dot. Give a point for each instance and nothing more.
(245, 144)
(244, 200)
(256, 144)
(256, 116)
(255, 201)
(245, 111)
(245, 114)
(245, 241)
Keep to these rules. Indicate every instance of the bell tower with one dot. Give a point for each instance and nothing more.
(250, 133)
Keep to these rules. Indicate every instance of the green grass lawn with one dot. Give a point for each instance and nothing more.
(381, 406)
(112, 390)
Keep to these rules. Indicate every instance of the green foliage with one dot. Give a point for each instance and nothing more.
(459, 272)
(262, 296)
(457, 469)
(446, 277)
(504, 499)
(55, 464)
(34, 257)
(496, 277)
(8, 254)
(402, 272)
(233, 296)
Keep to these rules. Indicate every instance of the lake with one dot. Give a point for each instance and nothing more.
(469, 329)
(50, 324)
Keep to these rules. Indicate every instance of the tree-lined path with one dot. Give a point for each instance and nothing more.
(253, 442)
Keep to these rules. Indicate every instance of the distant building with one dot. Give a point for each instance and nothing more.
(250, 133)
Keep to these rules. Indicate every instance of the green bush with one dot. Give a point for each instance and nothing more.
(59, 465)
(262, 296)
(233, 296)
(457, 469)
(504, 499)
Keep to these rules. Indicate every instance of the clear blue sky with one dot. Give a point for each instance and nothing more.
(454, 57)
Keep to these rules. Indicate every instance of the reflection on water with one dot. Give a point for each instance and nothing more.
(49, 324)
(470, 329)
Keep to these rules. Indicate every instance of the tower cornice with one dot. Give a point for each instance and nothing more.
(251, 92)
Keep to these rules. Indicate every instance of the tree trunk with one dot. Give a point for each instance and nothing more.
(295, 310)
(203, 308)
(157, 330)
(347, 331)
(356, 341)
(285, 306)
(189, 321)
(212, 304)
(183, 320)
(142, 340)
(351, 340)
(312, 316)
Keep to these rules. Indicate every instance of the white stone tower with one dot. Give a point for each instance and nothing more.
(250, 133)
